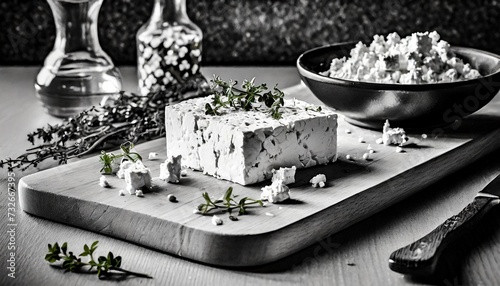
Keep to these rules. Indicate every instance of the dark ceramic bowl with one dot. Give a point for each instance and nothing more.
(417, 106)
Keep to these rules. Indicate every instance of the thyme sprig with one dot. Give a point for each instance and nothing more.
(227, 95)
(108, 159)
(105, 265)
(227, 203)
(124, 117)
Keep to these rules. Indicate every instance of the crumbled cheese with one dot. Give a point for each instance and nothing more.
(348, 157)
(216, 220)
(366, 156)
(139, 193)
(361, 140)
(269, 214)
(124, 165)
(395, 136)
(152, 155)
(170, 171)
(399, 149)
(379, 141)
(369, 147)
(276, 192)
(103, 182)
(121, 192)
(420, 58)
(286, 175)
(244, 146)
(371, 151)
(318, 181)
(137, 176)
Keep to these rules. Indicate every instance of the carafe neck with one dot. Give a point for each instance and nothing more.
(170, 11)
(76, 25)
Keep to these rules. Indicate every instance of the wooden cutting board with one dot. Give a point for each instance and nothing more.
(355, 189)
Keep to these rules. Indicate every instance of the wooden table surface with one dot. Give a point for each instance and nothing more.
(355, 256)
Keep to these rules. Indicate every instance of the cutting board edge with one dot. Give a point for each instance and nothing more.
(260, 239)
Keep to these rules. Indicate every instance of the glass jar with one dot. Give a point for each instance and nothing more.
(77, 73)
(168, 47)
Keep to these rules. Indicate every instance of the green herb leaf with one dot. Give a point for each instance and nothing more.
(226, 94)
(104, 265)
(227, 203)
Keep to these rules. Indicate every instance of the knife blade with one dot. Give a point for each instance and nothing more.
(420, 257)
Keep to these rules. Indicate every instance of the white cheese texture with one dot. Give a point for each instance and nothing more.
(395, 136)
(245, 146)
(286, 175)
(318, 181)
(170, 171)
(275, 193)
(137, 176)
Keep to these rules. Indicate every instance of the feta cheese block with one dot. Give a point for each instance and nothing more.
(245, 146)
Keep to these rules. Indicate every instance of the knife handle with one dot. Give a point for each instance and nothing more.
(421, 257)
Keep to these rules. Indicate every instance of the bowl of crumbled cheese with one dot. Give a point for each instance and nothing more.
(417, 82)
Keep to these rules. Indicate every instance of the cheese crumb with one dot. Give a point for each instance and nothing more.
(369, 147)
(276, 192)
(394, 136)
(152, 155)
(371, 151)
(170, 171)
(137, 176)
(379, 141)
(124, 165)
(216, 220)
(286, 175)
(399, 149)
(366, 156)
(318, 181)
(139, 193)
(121, 192)
(361, 140)
(103, 182)
(269, 214)
(348, 157)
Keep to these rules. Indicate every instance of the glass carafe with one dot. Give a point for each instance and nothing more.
(77, 73)
(168, 47)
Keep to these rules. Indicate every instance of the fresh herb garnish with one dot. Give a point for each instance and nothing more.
(124, 117)
(105, 265)
(226, 95)
(227, 203)
(107, 159)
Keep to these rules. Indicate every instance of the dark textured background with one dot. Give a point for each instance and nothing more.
(257, 31)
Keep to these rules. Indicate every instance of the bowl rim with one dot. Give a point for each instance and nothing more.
(304, 71)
